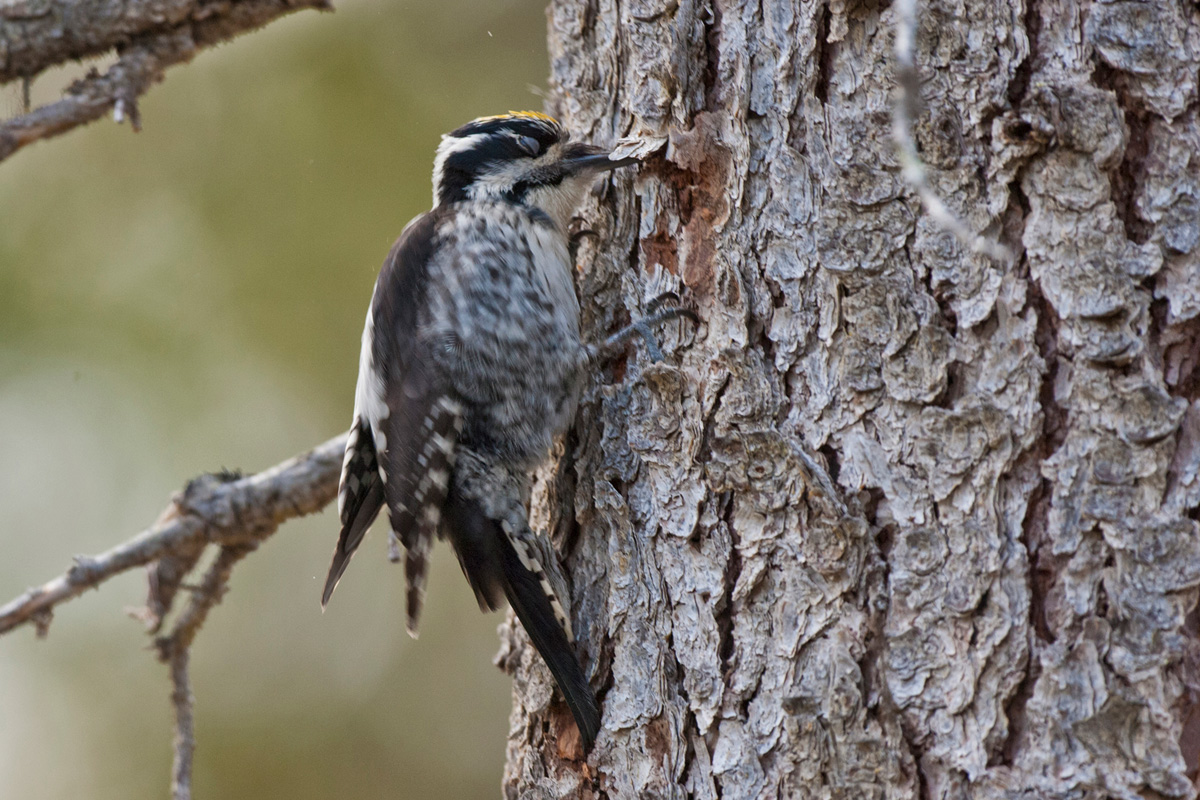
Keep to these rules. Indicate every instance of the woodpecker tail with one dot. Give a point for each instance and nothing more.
(360, 496)
(495, 564)
(350, 538)
(533, 608)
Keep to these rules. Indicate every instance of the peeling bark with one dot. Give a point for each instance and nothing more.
(897, 520)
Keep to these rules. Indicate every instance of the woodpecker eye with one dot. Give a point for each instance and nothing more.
(528, 145)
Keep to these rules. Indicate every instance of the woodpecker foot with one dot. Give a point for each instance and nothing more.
(661, 309)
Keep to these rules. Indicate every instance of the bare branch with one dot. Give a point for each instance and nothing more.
(912, 168)
(233, 513)
(150, 36)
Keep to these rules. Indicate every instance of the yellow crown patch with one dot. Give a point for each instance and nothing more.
(521, 115)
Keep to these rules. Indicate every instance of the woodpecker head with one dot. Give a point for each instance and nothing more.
(520, 157)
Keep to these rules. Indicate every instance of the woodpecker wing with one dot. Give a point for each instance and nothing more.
(406, 419)
(422, 429)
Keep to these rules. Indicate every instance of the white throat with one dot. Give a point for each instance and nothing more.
(559, 202)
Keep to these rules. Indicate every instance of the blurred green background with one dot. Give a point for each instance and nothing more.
(192, 298)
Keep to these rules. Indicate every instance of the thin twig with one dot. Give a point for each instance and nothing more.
(207, 594)
(912, 168)
(185, 735)
(231, 513)
(165, 578)
(175, 649)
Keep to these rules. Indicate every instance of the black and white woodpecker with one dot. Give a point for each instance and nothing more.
(471, 365)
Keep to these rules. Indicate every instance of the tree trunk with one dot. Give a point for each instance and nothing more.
(896, 520)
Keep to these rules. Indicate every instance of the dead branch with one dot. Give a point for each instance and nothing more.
(222, 510)
(149, 36)
(232, 512)
(37, 35)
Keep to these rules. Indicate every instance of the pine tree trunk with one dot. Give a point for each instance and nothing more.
(895, 520)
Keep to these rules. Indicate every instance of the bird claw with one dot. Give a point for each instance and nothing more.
(657, 303)
(655, 309)
(653, 351)
(657, 312)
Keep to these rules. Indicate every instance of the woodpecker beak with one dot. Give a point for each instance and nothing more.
(587, 158)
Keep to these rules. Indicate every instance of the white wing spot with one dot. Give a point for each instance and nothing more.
(440, 478)
(559, 613)
(527, 560)
(451, 406)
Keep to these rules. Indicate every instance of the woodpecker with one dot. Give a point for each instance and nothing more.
(471, 365)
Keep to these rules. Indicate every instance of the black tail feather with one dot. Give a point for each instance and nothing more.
(493, 567)
(529, 601)
(351, 537)
(476, 541)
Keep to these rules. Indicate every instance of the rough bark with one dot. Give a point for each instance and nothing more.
(897, 520)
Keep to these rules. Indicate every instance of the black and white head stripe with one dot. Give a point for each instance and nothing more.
(542, 127)
(472, 149)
